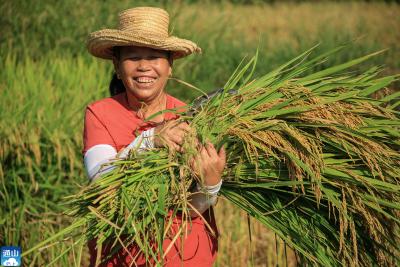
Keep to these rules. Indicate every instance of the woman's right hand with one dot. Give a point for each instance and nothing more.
(171, 134)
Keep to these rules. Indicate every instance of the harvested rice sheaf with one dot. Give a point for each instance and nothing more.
(312, 157)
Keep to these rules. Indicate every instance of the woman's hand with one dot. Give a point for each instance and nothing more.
(209, 165)
(171, 134)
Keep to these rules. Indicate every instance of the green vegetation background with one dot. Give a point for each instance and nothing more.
(47, 78)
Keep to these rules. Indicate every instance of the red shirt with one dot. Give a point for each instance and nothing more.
(111, 121)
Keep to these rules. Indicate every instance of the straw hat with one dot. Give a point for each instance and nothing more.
(140, 26)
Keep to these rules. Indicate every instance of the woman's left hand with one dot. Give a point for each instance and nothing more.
(209, 164)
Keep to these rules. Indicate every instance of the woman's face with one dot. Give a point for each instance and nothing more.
(144, 71)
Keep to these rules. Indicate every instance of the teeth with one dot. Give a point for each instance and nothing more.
(144, 79)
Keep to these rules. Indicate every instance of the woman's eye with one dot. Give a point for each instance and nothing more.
(134, 58)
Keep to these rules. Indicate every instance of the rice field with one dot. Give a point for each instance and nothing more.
(47, 78)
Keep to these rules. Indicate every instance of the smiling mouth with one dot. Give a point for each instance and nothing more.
(145, 80)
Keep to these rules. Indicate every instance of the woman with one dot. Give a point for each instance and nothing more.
(142, 53)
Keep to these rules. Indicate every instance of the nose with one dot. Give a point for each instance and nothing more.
(143, 65)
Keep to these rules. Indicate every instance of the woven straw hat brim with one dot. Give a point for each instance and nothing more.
(100, 43)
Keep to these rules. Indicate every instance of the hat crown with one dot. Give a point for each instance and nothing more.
(149, 21)
(140, 26)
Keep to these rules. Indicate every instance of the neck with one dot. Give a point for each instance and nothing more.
(146, 108)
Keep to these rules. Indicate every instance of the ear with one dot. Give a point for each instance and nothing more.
(169, 71)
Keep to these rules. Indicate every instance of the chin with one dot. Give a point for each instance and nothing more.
(144, 96)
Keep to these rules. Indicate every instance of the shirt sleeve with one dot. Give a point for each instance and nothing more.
(97, 157)
(95, 133)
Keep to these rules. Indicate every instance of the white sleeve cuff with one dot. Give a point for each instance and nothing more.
(95, 157)
(209, 189)
(143, 142)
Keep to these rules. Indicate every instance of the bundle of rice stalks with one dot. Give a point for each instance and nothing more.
(312, 157)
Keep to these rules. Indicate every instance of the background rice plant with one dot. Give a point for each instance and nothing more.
(47, 78)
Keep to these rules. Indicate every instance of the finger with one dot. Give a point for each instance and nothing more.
(177, 139)
(194, 163)
(173, 146)
(177, 148)
(175, 135)
(191, 162)
(170, 124)
(198, 145)
(163, 128)
(184, 126)
(196, 166)
(180, 130)
(160, 141)
(222, 154)
(204, 155)
(211, 150)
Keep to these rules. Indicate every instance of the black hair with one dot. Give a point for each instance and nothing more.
(116, 85)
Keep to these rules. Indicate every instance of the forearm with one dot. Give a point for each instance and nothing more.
(203, 198)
